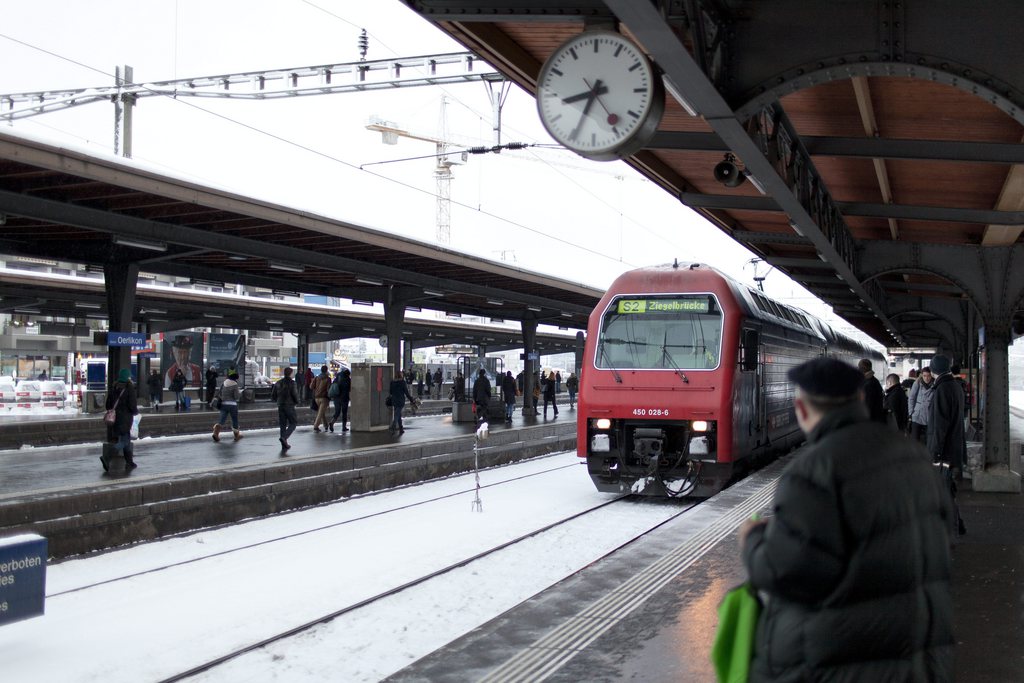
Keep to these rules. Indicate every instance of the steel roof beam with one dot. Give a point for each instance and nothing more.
(864, 148)
(510, 10)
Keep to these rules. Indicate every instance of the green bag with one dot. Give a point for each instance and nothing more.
(734, 639)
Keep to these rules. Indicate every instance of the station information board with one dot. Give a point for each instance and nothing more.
(22, 577)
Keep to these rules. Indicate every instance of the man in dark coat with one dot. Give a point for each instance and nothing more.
(342, 397)
(873, 396)
(398, 391)
(508, 395)
(482, 395)
(286, 394)
(946, 440)
(895, 403)
(211, 385)
(855, 560)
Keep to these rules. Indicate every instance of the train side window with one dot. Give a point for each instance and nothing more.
(748, 357)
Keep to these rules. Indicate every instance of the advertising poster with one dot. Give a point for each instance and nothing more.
(183, 351)
(227, 351)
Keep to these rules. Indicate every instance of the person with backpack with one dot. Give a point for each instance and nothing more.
(482, 395)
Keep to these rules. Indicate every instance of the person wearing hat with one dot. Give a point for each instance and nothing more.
(124, 401)
(181, 349)
(229, 393)
(855, 558)
(874, 397)
(946, 441)
(482, 394)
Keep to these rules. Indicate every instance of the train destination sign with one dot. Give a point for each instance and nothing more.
(22, 577)
(675, 305)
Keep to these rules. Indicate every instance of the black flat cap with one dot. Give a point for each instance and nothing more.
(827, 378)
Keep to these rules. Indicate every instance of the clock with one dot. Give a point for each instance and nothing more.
(600, 96)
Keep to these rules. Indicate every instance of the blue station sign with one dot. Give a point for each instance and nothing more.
(22, 577)
(126, 338)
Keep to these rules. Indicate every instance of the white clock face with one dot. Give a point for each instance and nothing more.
(598, 95)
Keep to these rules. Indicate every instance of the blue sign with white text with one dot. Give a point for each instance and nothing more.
(126, 338)
(22, 577)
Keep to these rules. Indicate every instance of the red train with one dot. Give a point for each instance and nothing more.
(684, 379)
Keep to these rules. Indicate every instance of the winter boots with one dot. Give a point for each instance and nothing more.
(238, 434)
(216, 432)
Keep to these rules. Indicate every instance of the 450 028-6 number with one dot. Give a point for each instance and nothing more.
(650, 412)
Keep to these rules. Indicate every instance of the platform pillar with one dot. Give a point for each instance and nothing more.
(120, 280)
(997, 475)
(529, 366)
(302, 361)
(394, 318)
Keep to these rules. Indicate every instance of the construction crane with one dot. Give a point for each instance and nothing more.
(390, 132)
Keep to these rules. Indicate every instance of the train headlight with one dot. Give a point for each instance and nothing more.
(699, 425)
(603, 423)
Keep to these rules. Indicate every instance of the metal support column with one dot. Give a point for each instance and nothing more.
(529, 366)
(302, 361)
(406, 354)
(997, 475)
(394, 317)
(143, 362)
(121, 280)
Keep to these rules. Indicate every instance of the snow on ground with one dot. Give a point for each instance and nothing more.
(281, 574)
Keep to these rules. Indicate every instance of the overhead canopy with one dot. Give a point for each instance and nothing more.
(65, 205)
(882, 140)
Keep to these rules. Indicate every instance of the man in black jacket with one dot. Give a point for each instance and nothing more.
(855, 559)
(946, 440)
(482, 395)
(872, 389)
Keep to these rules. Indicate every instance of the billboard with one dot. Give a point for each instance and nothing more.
(226, 352)
(183, 351)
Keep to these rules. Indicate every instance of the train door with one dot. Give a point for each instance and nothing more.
(752, 372)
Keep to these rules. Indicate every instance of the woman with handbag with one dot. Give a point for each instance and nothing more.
(227, 400)
(122, 407)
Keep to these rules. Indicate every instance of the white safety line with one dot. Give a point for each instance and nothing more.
(558, 647)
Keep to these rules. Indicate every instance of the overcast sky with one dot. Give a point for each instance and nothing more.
(542, 209)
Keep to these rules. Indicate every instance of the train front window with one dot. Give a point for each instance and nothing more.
(678, 332)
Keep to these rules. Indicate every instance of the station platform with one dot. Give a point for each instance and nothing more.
(188, 481)
(648, 612)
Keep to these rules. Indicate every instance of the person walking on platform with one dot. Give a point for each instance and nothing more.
(124, 401)
(508, 395)
(398, 391)
(918, 403)
(482, 395)
(946, 440)
(156, 389)
(872, 388)
(178, 387)
(572, 385)
(536, 395)
(430, 382)
(895, 403)
(855, 559)
(321, 385)
(307, 384)
(419, 384)
(438, 382)
(211, 385)
(341, 392)
(286, 394)
(558, 382)
(549, 393)
(229, 393)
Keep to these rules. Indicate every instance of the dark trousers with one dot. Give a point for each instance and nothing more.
(340, 408)
(919, 432)
(553, 404)
(287, 419)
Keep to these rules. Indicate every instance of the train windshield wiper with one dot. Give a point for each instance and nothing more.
(672, 361)
(604, 355)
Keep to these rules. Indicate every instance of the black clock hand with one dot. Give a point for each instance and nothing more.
(591, 96)
(584, 95)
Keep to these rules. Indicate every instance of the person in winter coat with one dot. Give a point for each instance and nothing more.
(908, 383)
(438, 382)
(482, 395)
(320, 386)
(572, 385)
(124, 401)
(459, 388)
(229, 393)
(398, 391)
(286, 394)
(156, 389)
(341, 393)
(549, 389)
(854, 562)
(211, 384)
(178, 387)
(872, 389)
(946, 441)
(508, 395)
(895, 403)
(918, 403)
